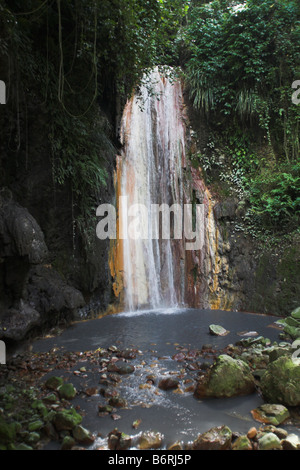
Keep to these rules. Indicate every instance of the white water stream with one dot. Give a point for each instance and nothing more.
(153, 135)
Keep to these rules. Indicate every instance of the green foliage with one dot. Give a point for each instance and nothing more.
(274, 195)
(242, 64)
(73, 63)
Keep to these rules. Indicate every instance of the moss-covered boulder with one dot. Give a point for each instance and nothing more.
(292, 331)
(82, 435)
(66, 420)
(281, 382)
(227, 377)
(271, 414)
(296, 313)
(54, 382)
(67, 391)
(7, 431)
(242, 443)
(269, 441)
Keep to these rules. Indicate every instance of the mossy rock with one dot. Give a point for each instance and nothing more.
(227, 377)
(68, 442)
(271, 414)
(292, 322)
(35, 425)
(269, 441)
(8, 431)
(66, 420)
(23, 446)
(67, 391)
(54, 382)
(281, 382)
(82, 435)
(292, 331)
(218, 330)
(242, 443)
(296, 313)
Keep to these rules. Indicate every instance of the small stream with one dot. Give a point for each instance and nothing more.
(158, 335)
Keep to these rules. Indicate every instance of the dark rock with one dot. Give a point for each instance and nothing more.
(118, 440)
(225, 209)
(66, 420)
(121, 368)
(117, 401)
(68, 443)
(16, 323)
(54, 382)
(168, 383)
(50, 294)
(82, 435)
(20, 234)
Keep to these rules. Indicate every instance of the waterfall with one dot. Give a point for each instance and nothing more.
(153, 138)
(150, 270)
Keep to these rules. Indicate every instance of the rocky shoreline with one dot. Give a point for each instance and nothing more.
(37, 393)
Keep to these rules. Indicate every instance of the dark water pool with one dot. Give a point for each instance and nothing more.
(158, 334)
(163, 327)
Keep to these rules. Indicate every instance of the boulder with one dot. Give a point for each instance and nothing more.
(281, 382)
(66, 420)
(217, 438)
(291, 442)
(168, 383)
(150, 440)
(242, 443)
(218, 330)
(269, 441)
(20, 234)
(15, 323)
(271, 414)
(82, 435)
(54, 382)
(7, 431)
(67, 391)
(121, 368)
(67, 443)
(296, 313)
(50, 294)
(227, 377)
(118, 440)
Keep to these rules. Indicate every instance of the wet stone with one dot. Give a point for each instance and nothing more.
(217, 438)
(150, 440)
(168, 383)
(121, 368)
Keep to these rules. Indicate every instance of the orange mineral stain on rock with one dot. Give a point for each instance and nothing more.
(116, 263)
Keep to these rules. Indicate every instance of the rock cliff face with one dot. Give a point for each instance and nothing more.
(32, 293)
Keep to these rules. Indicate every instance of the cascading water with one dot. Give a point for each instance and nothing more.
(153, 135)
(150, 270)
